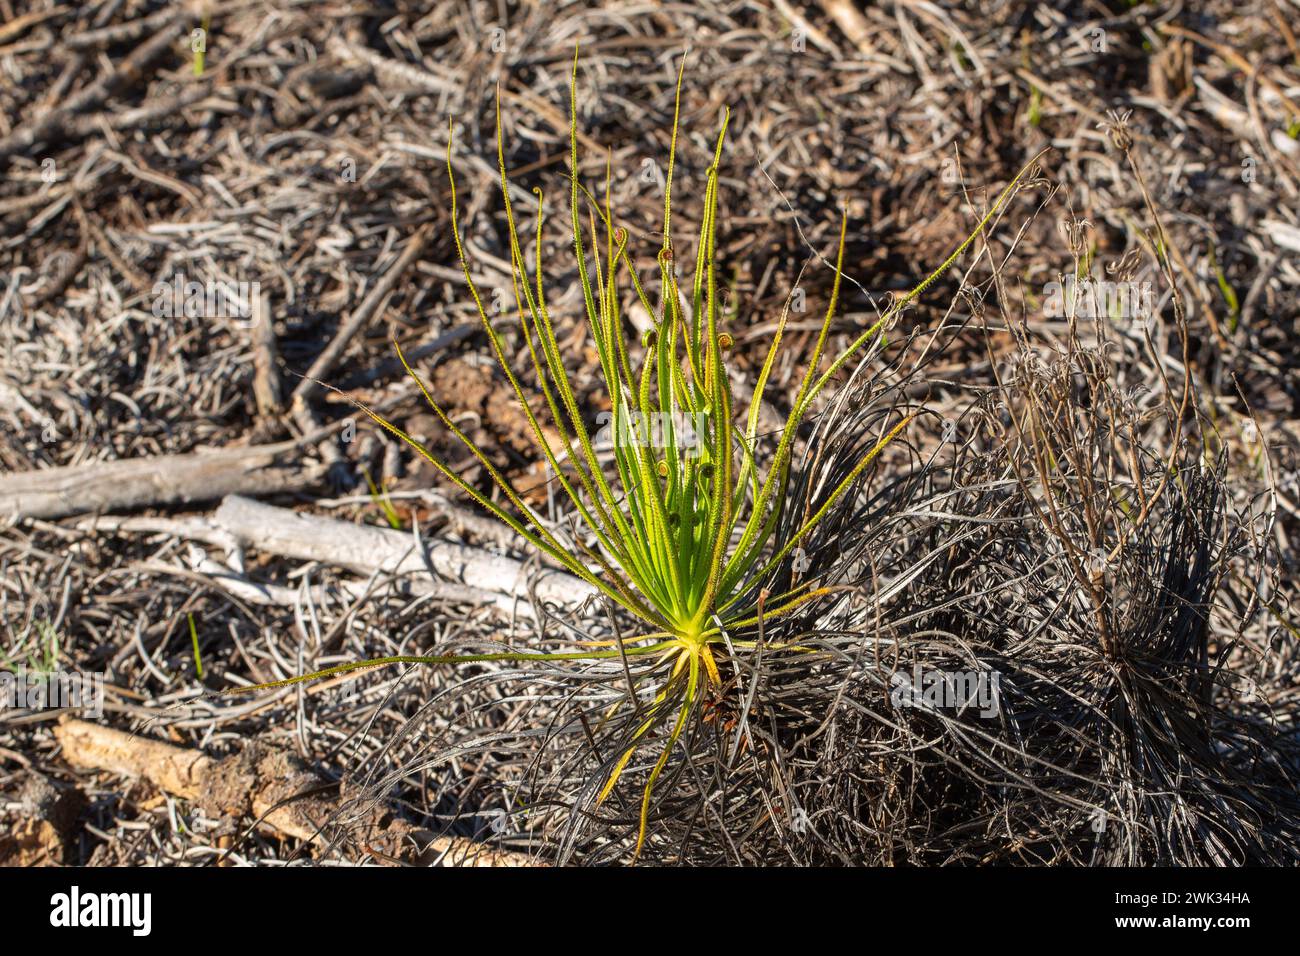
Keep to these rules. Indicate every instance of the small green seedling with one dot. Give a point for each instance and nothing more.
(199, 45)
(42, 657)
(194, 639)
(383, 502)
(677, 526)
(1229, 293)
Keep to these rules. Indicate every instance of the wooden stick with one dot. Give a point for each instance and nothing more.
(134, 29)
(368, 550)
(96, 747)
(230, 574)
(850, 21)
(275, 787)
(165, 480)
(266, 376)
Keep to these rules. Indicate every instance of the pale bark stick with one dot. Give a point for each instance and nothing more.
(165, 480)
(266, 376)
(368, 550)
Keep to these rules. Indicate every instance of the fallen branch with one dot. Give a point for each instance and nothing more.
(166, 480)
(369, 550)
(275, 787)
(850, 21)
(266, 375)
(251, 592)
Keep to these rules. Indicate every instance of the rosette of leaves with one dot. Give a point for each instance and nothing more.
(684, 523)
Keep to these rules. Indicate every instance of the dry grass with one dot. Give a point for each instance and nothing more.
(1179, 665)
